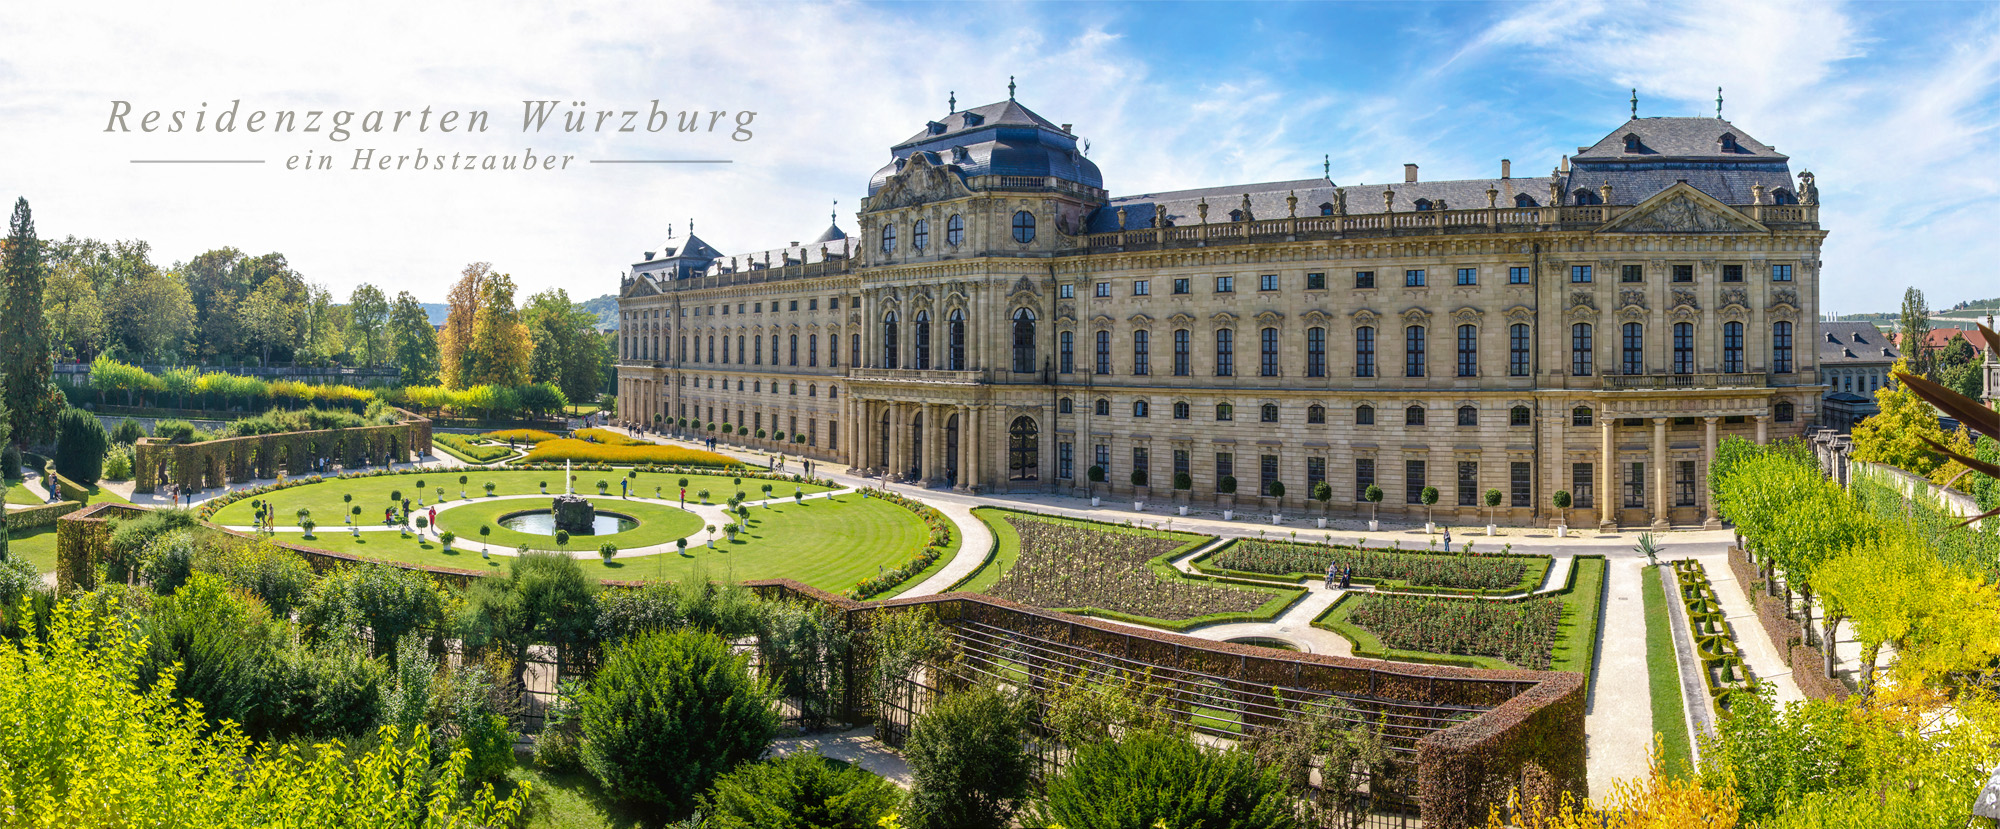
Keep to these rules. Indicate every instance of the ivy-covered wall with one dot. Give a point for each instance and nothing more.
(217, 463)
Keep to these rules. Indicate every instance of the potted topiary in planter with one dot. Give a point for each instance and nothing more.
(1139, 490)
(1096, 476)
(1492, 502)
(607, 551)
(1182, 483)
(1225, 490)
(1429, 497)
(1276, 494)
(1373, 494)
(447, 537)
(1562, 503)
(1322, 492)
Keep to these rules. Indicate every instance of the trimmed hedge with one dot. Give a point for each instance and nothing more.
(40, 516)
(71, 490)
(521, 435)
(460, 447)
(1379, 566)
(606, 436)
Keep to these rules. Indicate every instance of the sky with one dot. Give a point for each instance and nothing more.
(1890, 105)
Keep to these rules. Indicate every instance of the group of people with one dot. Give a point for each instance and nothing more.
(1345, 575)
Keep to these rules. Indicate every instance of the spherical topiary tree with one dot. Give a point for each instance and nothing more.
(1276, 489)
(1183, 481)
(669, 712)
(1493, 497)
(562, 538)
(1562, 503)
(1322, 492)
(1138, 477)
(1373, 494)
(1429, 497)
(1095, 475)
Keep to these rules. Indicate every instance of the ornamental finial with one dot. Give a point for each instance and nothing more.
(1010, 87)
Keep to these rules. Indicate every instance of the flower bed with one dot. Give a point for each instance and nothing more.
(1521, 633)
(468, 451)
(606, 436)
(1396, 569)
(934, 546)
(520, 436)
(571, 449)
(1091, 568)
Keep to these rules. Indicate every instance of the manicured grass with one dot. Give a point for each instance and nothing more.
(829, 543)
(37, 546)
(1006, 549)
(657, 524)
(17, 493)
(372, 493)
(1663, 678)
(573, 801)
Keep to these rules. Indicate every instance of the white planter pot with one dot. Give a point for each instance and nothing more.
(1229, 515)
(1183, 509)
(1277, 519)
(1430, 528)
(1322, 523)
(1138, 506)
(1093, 500)
(1562, 531)
(1490, 530)
(357, 531)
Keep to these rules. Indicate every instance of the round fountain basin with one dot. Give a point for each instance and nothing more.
(543, 522)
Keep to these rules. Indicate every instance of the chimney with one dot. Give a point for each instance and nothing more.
(1506, 168)
(1065, 129)
(1409, 173)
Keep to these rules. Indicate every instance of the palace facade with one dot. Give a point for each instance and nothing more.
(1000, 322)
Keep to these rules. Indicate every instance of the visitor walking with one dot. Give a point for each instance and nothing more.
(1347, 578)
(1331, 571)
(1447, 538)
(434, 516)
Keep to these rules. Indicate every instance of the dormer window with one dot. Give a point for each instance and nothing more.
(1783, 196)
(1631, 143)
(1423, 204)
(1524, 200)
(1236, 215)
(1584, 195)
(936, 127)
(973, 119)
(1729, 144)
(1326, 208)
(960, 155)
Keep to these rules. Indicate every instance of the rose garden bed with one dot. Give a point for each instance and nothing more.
(1547, 631)
(1388, 569)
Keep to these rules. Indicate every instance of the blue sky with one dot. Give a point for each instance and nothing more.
(1892, 106)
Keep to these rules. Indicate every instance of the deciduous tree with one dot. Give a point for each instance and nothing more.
(413, 341)
(367, 313)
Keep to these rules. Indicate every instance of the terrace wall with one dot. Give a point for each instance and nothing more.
(216, 463)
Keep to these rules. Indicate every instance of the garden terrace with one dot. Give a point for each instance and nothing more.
(215, 463)
(1400, 570)
(1459, 739)
(1113, 571)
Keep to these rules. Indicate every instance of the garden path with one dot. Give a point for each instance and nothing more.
(857, 746)
(1618, 715)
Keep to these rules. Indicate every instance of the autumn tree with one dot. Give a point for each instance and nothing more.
(498, 355)
(413, 342)
(367, 313)
(461, 315)
(25, 366)
(1895, 434)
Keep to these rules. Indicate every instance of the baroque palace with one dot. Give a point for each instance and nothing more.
(1001, 323)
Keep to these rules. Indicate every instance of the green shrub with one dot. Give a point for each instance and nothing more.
(174, 431)
(219, 651)
(127, 432)
(80, 445)
(168, 561)
(118, 463)
(1149, 779)
(130, 537)
(967, 766)
(799, 791)
(10, 462)
(390, 602)
(277, 576)
(668, 712)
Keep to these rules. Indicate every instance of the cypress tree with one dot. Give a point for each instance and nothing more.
(25, 359)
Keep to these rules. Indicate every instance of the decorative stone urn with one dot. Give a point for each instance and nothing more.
(575, 514)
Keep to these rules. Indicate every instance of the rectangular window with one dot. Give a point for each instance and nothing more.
(1683, 273)
(1316, 282)
(1468, 483)
(1315, 473)
(1103, 352)
(1364, 279)
(812, 304)
(1684, 483)
(1142, 352)
(1413, 278)
(1468, 276)
(1579, 274)
(1364, 477)
(1520, 480)
(1225, 284)
(833, 303)
(1732, 273)
(1065, 352)
(1267, 473)
(1517, 276)
(792, 305)
(1225, 466)
(1781, 347)
(1267, 350)
(832, 435)
(1635, 485)
(1468, 351)
(1065, 460)
(1065, 291)
(1181, 286)
(1732, 348)
(1364, 352)
(1104, 289)
(1102, 453)
(1581, 486)
(1413, 351)
(1579, 350)
(1517, 350)
(1181, 464)
(1225, 352)
(1315, 352)
(1142, 287)
(1181, 360)
(1413, 482)
(1140, 461)
(1632, 273)
(1267, 282)
(1781, 273)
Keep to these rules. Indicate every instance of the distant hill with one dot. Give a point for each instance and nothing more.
(605, 307)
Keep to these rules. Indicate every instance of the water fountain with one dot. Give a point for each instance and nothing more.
(573, 513)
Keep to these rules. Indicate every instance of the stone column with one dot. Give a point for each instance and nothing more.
(899, 434)
(1607, 476)
(1763, 429)
(927, 466)
(1709, 522)
(1660, 502)
(968, 435)
(1557, 459)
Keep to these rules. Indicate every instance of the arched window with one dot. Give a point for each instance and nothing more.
(1784, 196)
(1585, 196)
(1364, 416)
(1182, 360)
(1024, 227)
(955, 341)
(1224, 411)
(812, 349)
(1783, 412)
(812, 390)
(1103, 407)
(853, 349)
(920, 235)
(1468, 351)
(794, 353)
(1364, 351)
(889, 350)
(1225, 352)
(1683, 348)
(1413, 351)
(1413, 416)
(954, 230)
(1781, 347)
(1181, 410)
(1141, 408)
(1732, 347)
(1519, 416)
(1024, 341)
(1579, 416)
(1103, 352)
(888, 238)
(1517, 350)
(1267, 413)
(1468, 416)
(832, 392)
(1635, 349)
(1142, 352)
(792, 388)
(1267, 352)
(1023, 450)
(1580, 362)
(1315, 414)
(1064, 406)
(774, 350)
(1524, 200)
(711, 348)
(922, 336)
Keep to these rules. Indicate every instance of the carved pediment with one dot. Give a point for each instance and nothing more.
(1685, 298)
(1315, 317)
(1269, 317)
(1784, 297)
(1632, 299)
(1102, 319)
(1023, 286)
(1683, 313)
(1416, 316)
(1066, 309)
(1365, 317)
(1520, 313)
(1580, 298)
(1735, 297)
(1181, 319)
(918, 182)
(1632, 313)
(1223, 318)
(1467, 315)
(1140, 319)
(1682, 209)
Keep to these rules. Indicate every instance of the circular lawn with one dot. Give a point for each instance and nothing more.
(658, 524)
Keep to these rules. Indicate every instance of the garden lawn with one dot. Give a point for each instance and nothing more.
(657, 524)
(17, 493)
(829, 543)
(1663, 678)
(372, 493)
(37, 546)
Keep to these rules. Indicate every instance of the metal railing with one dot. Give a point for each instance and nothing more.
(1655, 382)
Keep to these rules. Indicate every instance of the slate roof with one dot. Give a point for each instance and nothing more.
(996, 139)
(833, 233)
(1008, 112)
(1678, 138)
(1267, 200)
(1681, 149)
(1854, 343)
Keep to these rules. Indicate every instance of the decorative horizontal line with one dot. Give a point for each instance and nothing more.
(661, 161)
(197, 161)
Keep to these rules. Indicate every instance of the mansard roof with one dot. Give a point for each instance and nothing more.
(1843, 343)
(996, 139)
(1679, 139)
(1267, 199)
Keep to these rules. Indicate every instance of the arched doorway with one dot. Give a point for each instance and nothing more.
(915, 463)
(1024, 462)
(951, 450)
